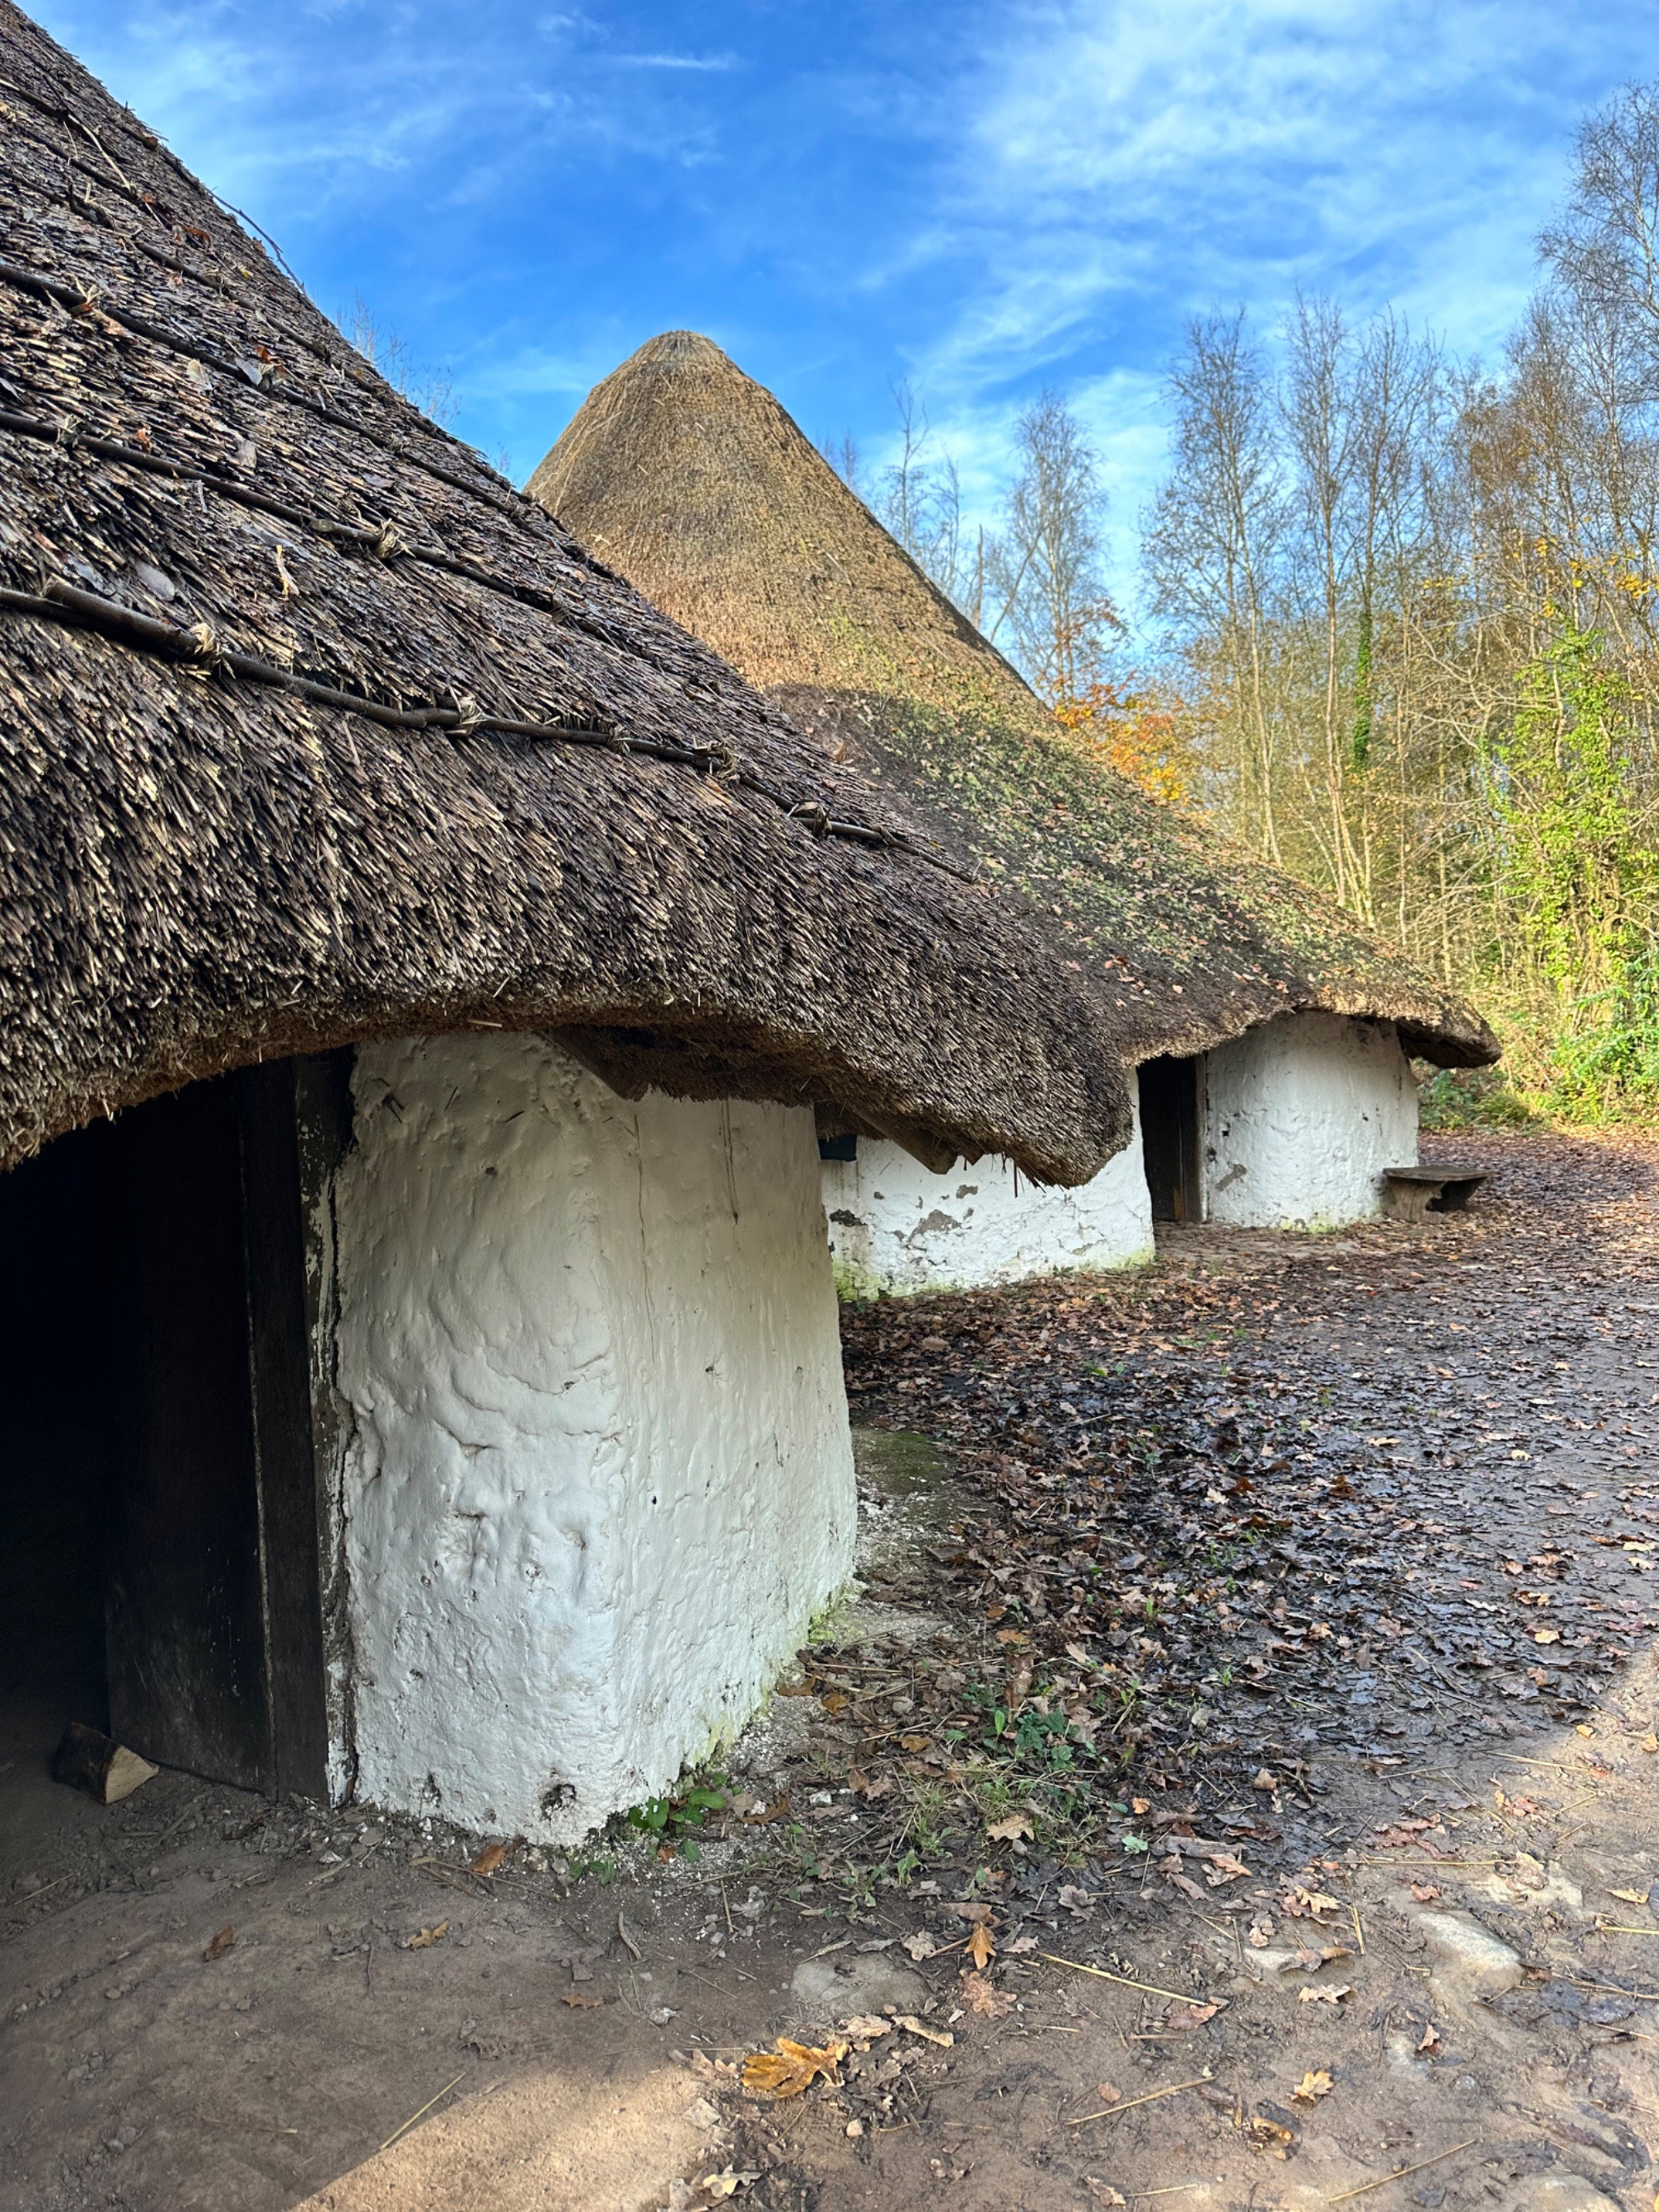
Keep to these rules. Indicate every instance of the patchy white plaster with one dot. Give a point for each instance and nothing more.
(895, 1226)
(1301, 1115)
(600, 1477)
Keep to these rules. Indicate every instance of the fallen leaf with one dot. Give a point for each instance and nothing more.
(1430, 2039)
(1170, 1870)
(1181, 2019)
(861, 1786)
(1424, 1891)
(727, 2184)
(1630, 1896)
(1140, 1804)
(423, 1939)
(220, 1944)
(1020, 1945)
(1317, 1993)
(1009, 1830)
(493, 1857)
(1651, 1742)
(912, 2026)
(1312, 2087)
(1546, 1636)
(1268, 2135)
(1227, 1868)
(1074, 1899)
(920, 1945)
(912, 1743)
(1264, 1780)
(1299, 1902)
(983, 1996)
(865, 2027)
(968, 1908)
(1103, 2191)
(790, 2068)
(582, 2000)
(1108, 2093)
(981, 1949)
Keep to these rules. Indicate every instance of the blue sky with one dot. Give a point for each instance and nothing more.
(982, 198)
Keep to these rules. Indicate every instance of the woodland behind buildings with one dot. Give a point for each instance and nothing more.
(1401, 624)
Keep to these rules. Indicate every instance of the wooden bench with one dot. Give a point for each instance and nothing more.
(1413, 1193)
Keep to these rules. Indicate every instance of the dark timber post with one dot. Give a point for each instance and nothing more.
(292, 1139)
(222, 1577)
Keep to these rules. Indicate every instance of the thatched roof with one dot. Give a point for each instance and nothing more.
(316, 730)
(690, 479)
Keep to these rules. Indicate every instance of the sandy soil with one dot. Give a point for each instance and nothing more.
(1310, 1581)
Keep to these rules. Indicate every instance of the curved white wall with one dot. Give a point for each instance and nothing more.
(1300, 1117)
(601, 1475)
(895, 1226)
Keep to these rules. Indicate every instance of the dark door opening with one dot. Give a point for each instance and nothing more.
(54, 1448)
(1169, 1138)
(159, 1468)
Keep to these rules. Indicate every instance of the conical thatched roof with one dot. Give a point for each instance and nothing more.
(690, 479)
(316, 730)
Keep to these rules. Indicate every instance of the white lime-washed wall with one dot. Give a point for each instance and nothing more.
(600, 1476)
(895, 1226)
(1300, 1117)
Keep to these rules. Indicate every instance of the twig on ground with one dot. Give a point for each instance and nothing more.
(1111, 2112)
(424, 2110)
(1175, 1996)
(1347, 2196)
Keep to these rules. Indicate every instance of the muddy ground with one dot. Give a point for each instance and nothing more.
(1241, 1770)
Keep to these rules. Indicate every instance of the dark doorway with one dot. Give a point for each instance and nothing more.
(161, 1454)
(1169, 1138)
(54, 1446)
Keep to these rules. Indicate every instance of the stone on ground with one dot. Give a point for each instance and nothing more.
(1470, 1961)
(830, 1989)
(1561, 2193)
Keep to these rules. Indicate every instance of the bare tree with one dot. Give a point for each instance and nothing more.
(432, 391)
(1045, 567)
(1210, 545)
(843, 455)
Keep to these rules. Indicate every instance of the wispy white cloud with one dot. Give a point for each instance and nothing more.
(1101, 171)
(715, 62)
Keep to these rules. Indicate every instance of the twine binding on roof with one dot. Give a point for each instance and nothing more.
(199, 647)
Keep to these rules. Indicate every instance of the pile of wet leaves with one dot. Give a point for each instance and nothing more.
(1297, 1497)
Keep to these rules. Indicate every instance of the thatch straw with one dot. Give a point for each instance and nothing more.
(690, 479)
(316, 730)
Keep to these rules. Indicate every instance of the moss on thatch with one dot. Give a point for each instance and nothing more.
(692, 479)
(315, 730)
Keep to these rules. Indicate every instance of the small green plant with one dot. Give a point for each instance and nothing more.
(673, 1823)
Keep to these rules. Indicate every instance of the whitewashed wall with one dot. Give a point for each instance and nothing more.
(895, 1226)
(1300, 1117)
(601, 1476)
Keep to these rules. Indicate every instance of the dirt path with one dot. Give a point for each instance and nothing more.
(1257, 1666)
